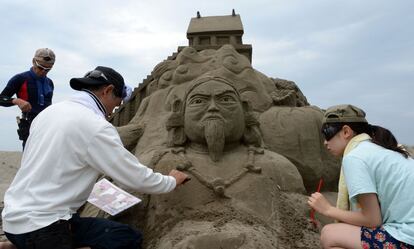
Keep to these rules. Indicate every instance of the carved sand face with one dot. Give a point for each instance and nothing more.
(213, 115)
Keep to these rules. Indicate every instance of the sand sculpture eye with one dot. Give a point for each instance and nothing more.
(197, 100)
(227, 99)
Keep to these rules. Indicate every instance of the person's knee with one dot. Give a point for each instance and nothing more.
(104, 233)
(327, 235)
(125, 236)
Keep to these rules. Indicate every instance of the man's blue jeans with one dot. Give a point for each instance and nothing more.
(96, 233)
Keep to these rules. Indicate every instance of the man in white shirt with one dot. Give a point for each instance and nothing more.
(70, 144)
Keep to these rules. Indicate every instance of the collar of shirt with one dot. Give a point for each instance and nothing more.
(90, 100)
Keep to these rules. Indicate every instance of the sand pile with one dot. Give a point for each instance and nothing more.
(9, 163)
(411, 150)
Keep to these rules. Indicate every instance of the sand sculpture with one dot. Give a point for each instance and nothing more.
(250, 143)
(289, 125)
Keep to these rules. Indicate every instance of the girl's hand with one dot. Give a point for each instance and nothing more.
(318, 202)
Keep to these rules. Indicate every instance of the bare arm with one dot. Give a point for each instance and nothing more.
(24, 105)
(370, 215)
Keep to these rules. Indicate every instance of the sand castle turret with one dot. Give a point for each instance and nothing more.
(212, 32)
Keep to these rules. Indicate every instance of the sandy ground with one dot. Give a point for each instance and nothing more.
(411, 150)
(9, 163)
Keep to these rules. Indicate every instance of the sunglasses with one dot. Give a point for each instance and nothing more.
(47, 58)
(96, 74)
(46, 69)
(330, 131)
(126, 90)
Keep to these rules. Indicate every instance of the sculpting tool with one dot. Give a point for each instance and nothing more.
(312, 212)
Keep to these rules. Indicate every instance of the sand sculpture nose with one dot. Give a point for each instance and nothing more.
(212, 106)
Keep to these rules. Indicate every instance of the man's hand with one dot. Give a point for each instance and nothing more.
(179, 176)
(22, 104)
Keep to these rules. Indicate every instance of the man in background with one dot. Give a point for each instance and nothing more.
(33, 90)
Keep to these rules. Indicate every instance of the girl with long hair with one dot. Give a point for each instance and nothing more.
(375, 207)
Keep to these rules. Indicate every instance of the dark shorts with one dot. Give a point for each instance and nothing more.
(378, 238)
(96, 233)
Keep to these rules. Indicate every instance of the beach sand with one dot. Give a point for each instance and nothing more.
(9, 163)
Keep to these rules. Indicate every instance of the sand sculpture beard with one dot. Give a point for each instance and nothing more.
(214, 135)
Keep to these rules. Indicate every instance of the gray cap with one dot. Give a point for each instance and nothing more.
(344, 114)
(45, 56)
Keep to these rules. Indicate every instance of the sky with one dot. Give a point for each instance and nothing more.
(337, 51)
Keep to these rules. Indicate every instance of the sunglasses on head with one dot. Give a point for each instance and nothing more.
(330, 131)
(96, 74)
(46, 69)
(47, 58)
(125, 94)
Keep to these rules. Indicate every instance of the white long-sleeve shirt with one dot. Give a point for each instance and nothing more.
(69, 146)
